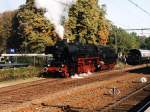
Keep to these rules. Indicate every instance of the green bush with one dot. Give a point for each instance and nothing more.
(19, 73)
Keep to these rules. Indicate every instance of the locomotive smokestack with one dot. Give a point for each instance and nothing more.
(56, 12)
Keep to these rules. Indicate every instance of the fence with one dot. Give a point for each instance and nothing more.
(30, 59)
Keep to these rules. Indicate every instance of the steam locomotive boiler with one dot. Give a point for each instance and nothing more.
(75, 58)
(138, 56)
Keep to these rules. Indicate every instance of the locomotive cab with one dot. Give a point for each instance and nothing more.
(107, 54)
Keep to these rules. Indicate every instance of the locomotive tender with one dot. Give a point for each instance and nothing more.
(138, 56)
(75, 58)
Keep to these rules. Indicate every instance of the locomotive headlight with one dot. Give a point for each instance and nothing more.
(62, 65)
(98, 66)
(59, 70)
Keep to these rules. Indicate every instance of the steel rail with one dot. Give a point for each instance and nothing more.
(143, 107)
(123, 99)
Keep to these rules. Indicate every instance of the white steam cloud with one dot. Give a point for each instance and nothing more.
(56, 12)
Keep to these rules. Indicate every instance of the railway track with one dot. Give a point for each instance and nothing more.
(136, 101)
(23, 93)
(142, 106)
(124, 104)
(26, 85)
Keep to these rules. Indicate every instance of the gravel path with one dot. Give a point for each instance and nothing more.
(53, 94)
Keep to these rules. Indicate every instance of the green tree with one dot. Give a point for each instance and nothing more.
(85, 22)
(6, 28)
(145, 43)
(103, 26)
(123, 40)
(33, 30)
(1, 30)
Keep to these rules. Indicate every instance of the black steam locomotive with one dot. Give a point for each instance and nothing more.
(75, 58)
(138, 56)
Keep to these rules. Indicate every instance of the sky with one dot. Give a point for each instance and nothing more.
(121, 12)
(6, 5)
(126, 15)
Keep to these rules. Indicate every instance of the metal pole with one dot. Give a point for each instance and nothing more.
(116, 47)
(34, 61)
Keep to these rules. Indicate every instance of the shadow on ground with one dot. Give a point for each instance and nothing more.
(137, 108)
(49, 75)
(145, 71)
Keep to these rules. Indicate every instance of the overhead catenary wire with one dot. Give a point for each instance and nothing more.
(142, 9)
(145, 11)
(138, 29)
(126, 28)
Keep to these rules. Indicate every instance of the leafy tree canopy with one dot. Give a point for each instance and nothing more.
(145, 43)
(87, 23)
(122, 40)
(29, 31)
(33, 30)
(5, 28)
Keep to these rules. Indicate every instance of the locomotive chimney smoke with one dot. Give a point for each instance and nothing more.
(56, 12)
